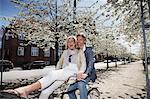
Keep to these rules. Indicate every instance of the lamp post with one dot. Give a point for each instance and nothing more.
(74, 11)
(148, 1)
(3, 53)
(3, 42)
(107, 51)
(107, 58)
(56, 35)
(145, 49)
(56, 47)
(130, 54)
(115, 60)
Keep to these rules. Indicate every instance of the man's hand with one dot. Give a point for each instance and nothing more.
(81, 76)
(84, 76)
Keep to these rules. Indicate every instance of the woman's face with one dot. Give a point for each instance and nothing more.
(71, 43)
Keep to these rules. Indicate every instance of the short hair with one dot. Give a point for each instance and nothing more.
(82, 35)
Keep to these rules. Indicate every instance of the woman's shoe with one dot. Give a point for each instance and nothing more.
(18, 91)
(21, 92)
(12, 91)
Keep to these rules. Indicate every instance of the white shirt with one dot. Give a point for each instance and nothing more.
(84, 48)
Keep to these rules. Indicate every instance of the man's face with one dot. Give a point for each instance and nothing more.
(80, 41)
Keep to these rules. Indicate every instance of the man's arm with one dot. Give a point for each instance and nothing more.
(90, 66)
(82, 61)
(91, 60)
(83, 66)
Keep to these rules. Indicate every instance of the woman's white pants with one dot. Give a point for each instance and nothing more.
(58, 77)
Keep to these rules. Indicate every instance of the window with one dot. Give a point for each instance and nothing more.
(20, 51)
(9, 35)
(47, 53)
(21, 36)
(34, 51)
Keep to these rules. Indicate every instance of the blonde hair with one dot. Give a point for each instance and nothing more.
(70, 37)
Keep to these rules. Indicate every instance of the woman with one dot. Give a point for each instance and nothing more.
(71, 62)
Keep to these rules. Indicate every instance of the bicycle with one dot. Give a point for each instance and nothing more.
(62, 92)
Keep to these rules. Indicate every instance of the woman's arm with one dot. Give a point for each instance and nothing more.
(61, 61)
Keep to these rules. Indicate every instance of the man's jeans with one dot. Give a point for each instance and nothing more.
(82, 86)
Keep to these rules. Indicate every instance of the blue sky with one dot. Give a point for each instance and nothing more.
(7, 9)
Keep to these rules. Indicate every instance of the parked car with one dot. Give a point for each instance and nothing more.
(105, 61)
(7, 65)
(34, 64)
(114, 60)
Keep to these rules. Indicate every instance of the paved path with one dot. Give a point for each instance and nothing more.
(125, 82)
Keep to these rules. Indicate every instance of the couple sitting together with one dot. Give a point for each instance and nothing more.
(77, 60)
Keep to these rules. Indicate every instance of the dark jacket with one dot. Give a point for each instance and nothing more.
(90, 70)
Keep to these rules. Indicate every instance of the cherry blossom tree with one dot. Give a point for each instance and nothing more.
(42, 21)
(127, 12)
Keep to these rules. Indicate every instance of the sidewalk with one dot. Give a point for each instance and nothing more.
(124, 82)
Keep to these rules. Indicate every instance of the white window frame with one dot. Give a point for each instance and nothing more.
(47, 53)
(21, 36)
(20, 51)
(34, 51)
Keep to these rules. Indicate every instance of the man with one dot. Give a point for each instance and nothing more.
(89, 74)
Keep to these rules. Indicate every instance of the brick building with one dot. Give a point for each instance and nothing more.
(19, 54)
